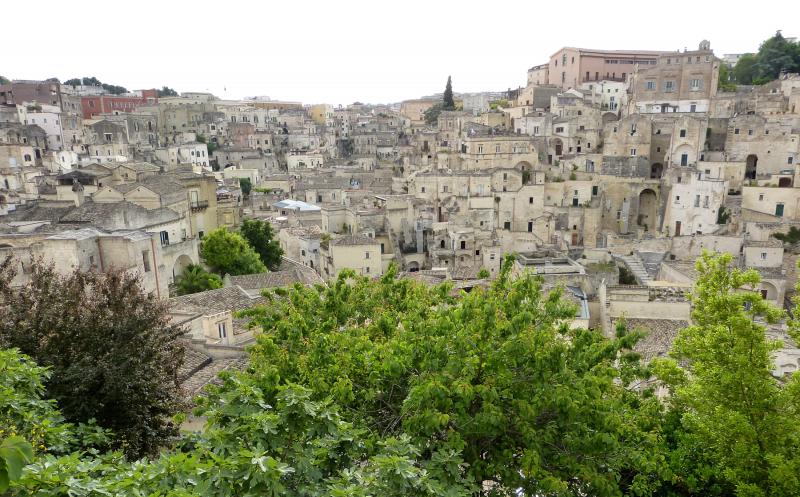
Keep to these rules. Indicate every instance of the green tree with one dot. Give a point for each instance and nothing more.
(497, 375)
(246, 185)
(4, 80)
(73, 82)
(432, 114)
(113, 352)
(734, 427)
(725, 75)
(15, 453)
(166, 91)
(262, 239)
(196, 279)
(229, 253)
(745, 69)
(775, 55)
(447, 101)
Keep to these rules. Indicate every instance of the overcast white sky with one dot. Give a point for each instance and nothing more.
(340, 51)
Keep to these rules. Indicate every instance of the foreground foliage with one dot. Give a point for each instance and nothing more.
(111, 349)
(387, 387)
(735, 427)
(496, 376)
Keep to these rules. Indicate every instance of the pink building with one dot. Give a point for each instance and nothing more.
(569, 67)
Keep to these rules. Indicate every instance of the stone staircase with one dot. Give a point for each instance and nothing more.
(652, 262)
(637, 267)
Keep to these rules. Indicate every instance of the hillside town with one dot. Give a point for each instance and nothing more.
(416, 250)
(607, 174)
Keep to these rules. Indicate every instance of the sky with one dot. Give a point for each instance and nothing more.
(342, 51)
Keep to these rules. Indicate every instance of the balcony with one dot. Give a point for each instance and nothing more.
(198, 205)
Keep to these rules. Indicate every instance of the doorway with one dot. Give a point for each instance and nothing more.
(677, 228)
(750, 167)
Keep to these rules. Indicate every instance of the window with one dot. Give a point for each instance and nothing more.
(761, 196)
(790, 160)
(164, 238)
(480, 149)
(677, 199)
(463, 245)
(779, 210)
(477, 252)
(684, 159)
(594, 190)
(505, 176)
(422, 189)
(366, 255)
(669, 86)
(750, 132)
(697, 200)
(146, 260)
(705, 202)
(108, 136)
(497, 149)
(444, 189)
(491, 256)
(530, 200)
(222, 329)
(695, 84)
(693, 108)
(683, 133)
(736, 131)
(763, 256)
(633, 152)
(507, 225)
(303, 252)
(651, 85)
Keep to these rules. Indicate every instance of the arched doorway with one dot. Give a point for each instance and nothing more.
(750, 166)
(181, 263)
(413, 267)
(768, 291)
(647, 209)
(656, 170)
(558, 145)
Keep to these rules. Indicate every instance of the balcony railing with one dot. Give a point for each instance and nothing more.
(198, 205)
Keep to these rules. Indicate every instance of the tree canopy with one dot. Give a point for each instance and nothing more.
(775, 55)
(227, 252)
(166, 91)
(196, 279)
(390, 387)
(92, 81)
(246, 185)
(431, 115)
(734, 427)
(113, 353)
(447, 100)
(262, 239)
(4, 80)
